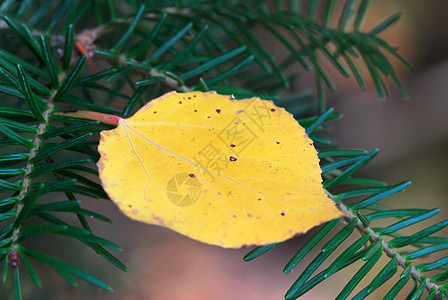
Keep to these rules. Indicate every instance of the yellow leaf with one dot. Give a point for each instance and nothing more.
(222, 171)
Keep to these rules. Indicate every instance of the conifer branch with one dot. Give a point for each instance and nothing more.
(170, 82)
(156, 46)
(26, 182)
(350, 215)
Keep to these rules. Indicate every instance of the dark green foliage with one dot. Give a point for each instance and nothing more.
(158, 46)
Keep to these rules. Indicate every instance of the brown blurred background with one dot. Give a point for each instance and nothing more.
(411, 134)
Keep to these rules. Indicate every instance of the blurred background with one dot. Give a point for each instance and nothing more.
(411, 134)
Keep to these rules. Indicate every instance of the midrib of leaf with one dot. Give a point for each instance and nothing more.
(416, 274)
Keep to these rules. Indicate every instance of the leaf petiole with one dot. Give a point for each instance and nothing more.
(91, 115)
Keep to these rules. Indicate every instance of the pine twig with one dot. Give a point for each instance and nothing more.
(387, 249)
(26, 182)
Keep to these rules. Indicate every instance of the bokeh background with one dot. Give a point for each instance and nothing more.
(411, 134)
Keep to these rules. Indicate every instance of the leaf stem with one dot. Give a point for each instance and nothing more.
(92, 115)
